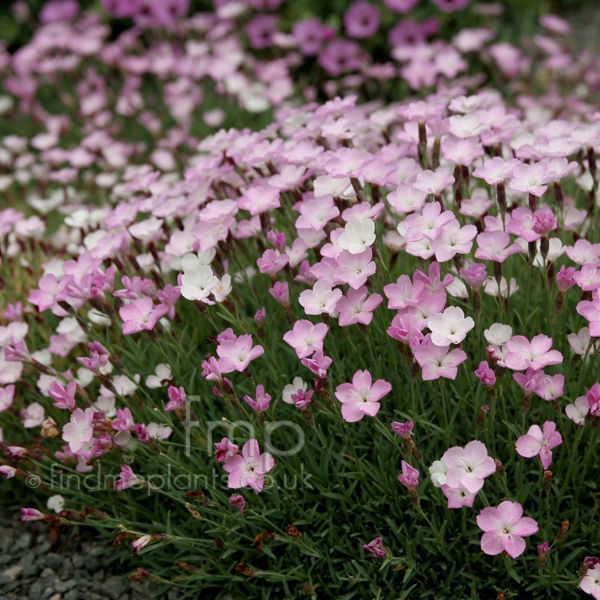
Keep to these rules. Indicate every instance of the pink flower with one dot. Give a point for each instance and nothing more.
(376, 548)
(32, 514)
(468, 466)
(361, 20)
(522, 354)
(485, 373)
(505, 527)
(238, 501)
(357, 307)
(64, 398)
(177, 397)
(124, 420)
(236, 355)
(127, 479)
(141, 314)
(272, 261)
(306, 338)
(249, 468)
(495, 246)
(539, 443)
(33, 415)
(49, 293)
(409, 476)
(438, 361)
(281, 292)
(225, 449)
(361, 397)
(261, 404)
(590, 310)
(80, 430)
(318, 363)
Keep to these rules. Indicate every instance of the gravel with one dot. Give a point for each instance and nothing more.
(75, 567)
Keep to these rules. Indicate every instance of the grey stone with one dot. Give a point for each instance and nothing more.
(11, 574)
(65, 586)
(73, 594)
(35, 590)
(47, 572)
(114, 587)
(54, 561)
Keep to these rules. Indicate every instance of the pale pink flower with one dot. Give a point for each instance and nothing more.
(225, 449)
(529, 178)
(355, 269)
(321, 299)
(458, 496)
(539, 443)
(505, 527)
(33, 415)
(434, 182)
(468, 466)
(403, 293)
(361, 397)
(590, 582)
(496, 170)
(248, 468)
(449, 327)
(7, 395)
(79, 431)
(358, 236)
(522, 354)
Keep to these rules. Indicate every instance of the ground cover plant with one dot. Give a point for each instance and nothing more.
(344, 348)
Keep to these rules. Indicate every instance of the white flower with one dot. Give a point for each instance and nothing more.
(106, 404)
(437, 472)
(163, 371)
(449, 327)
(490, 287)
(578, 411)
(158, 432)
(498, 334)
(198, 283)
(56, 503)
(292, 388)
(124, 386)
(222, 289)
(359, 234)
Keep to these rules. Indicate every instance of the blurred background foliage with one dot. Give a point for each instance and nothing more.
(520, 16)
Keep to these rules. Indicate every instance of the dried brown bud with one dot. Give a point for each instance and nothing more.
(263, 535)
(547, 481)
(183, 565)
(219, 543)
(244, 569)
(292, 531)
